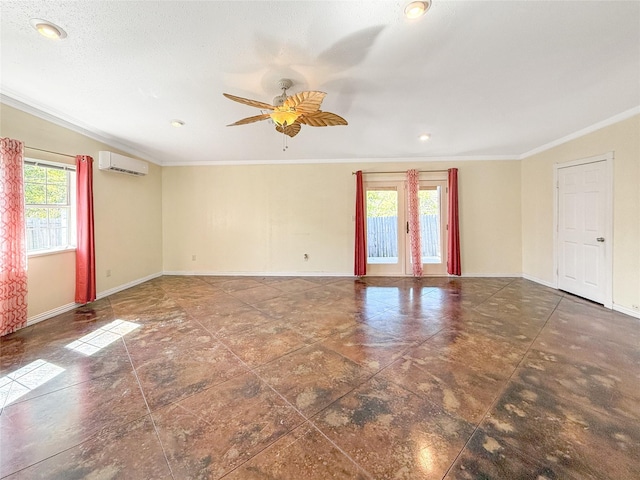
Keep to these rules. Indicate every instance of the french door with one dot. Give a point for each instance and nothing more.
(387, 227)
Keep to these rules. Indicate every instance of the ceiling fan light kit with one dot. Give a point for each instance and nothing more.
(290, 112)
(283, 118)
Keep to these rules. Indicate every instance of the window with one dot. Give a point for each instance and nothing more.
(50, 215)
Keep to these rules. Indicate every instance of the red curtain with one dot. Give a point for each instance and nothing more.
(413, 188)
(453, 234)
(85, 250)
(360, 263)
(13, 250)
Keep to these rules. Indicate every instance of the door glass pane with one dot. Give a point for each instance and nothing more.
(430, 224)
(382, 226)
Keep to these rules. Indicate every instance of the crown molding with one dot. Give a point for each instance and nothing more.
(12, 100)
(470, 158)
(581, 133)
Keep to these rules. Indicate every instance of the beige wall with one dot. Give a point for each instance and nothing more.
(623, 139)
(263, 219)
(127, 209)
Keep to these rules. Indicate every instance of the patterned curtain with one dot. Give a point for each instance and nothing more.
(453, 234)
(13, 250)
(360, 263)
(413, 188)
(85, 250)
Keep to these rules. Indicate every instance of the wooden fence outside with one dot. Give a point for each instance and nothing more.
(382, 236)
(43, 234)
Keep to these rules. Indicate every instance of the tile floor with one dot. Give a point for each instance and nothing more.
(318, 378)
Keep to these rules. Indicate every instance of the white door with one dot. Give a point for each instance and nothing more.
(582, 217)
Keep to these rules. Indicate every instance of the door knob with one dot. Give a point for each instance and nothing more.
(600, 239)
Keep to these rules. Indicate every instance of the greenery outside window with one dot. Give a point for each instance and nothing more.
(50, 206)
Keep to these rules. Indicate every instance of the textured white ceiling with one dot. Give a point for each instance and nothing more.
(486, 78)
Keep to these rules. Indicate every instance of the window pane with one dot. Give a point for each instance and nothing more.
(56, 176)
(34, 194)
(37, 221)
(56, 194)
(50, 217)
(33, 173)
(430, 225)
(57, 227)
(39, 213)
(382, 226)
(63, 233)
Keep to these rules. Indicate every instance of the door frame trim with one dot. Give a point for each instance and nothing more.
(401, 179)
(608, 158)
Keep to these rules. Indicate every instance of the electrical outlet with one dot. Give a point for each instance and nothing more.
(635, 307)
(109, 273)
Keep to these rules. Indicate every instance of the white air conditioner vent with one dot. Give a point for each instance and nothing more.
(121, 164)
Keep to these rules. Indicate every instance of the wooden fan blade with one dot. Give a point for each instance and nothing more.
(251, 103)
(305, 102)
(322, 119)
(291, 130)
(244, 121)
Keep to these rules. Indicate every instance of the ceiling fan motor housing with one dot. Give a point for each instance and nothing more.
(284, 84)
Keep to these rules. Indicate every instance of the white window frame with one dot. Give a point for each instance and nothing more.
(71, 205)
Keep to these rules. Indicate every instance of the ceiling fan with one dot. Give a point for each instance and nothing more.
(289, 113)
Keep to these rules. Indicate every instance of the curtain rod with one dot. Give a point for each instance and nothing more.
(403, 171)
(49, 151)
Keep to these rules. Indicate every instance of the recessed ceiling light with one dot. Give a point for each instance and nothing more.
(424, 137)
(416, 9)
(177, 123)
(48, 29)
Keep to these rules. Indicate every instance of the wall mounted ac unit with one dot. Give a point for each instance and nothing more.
(121, 164)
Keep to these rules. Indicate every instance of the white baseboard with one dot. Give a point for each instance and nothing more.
(618, 308)
(626, 310)
(541, 282)
(133, 283)
(489, 275)
(321, 274)
(70, 306)
(257, 274)
(51, 313)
